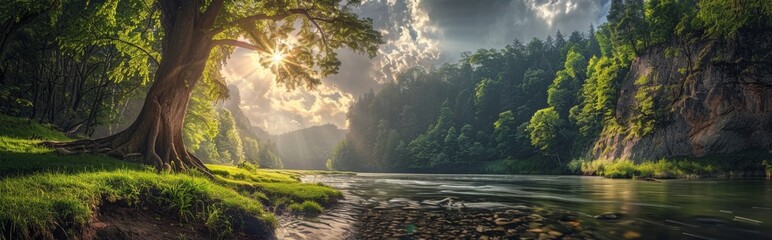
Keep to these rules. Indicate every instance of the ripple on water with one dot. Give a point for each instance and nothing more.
(674, 209)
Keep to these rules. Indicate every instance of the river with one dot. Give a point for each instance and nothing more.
(672, 209)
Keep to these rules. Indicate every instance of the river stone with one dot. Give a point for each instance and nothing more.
(555, 233)
(534, 225)
(530, 235)
(608, 216)
(535, 230)
(536, 217)
(631, 235)
(545, 236)
(502, 221)
(558, 228)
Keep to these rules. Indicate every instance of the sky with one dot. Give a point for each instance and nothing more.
(425, 33)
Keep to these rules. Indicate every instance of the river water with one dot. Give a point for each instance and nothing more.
(673, 209)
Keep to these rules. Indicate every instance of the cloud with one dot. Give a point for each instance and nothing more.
(470, 25)
(273, 108)
(416, 33)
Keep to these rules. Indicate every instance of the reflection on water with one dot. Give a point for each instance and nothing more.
(675, 209)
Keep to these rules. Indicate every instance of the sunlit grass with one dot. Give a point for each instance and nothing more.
(37, 204)
(306, 208)
(736, 164)
(43, 192)
(275, 185)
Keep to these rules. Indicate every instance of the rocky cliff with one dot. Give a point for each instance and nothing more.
(709, 98)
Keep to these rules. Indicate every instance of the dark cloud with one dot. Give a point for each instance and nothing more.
(470, 25)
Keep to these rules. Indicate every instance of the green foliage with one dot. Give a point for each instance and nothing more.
(505, 132)
(665, 16)
(648, 113)
(201, 122)
(751, 162)
(468, 115)
(228, 139)
(724, 19)
(247, 166)
(544, 129)
(313, 56)
(599, 95)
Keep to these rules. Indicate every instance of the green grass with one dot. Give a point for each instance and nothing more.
(44, 193)
(275, 185)
(34, 206)
(21, 154)
(748, 163)
(306, 208)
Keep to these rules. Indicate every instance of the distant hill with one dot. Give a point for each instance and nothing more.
(308, 148)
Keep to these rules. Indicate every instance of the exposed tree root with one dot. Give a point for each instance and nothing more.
(155, 144)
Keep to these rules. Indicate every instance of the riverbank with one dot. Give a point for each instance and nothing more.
(743, 164)
(50, 196)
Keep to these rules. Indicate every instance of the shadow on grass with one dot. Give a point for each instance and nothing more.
(21, 154)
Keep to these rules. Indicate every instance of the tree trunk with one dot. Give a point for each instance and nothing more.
(156, 134)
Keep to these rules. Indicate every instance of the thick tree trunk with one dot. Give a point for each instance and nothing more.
(156, 134)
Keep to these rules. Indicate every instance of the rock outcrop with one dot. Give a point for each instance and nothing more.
(712, 98)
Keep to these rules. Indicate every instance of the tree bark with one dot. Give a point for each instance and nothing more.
(156, 134)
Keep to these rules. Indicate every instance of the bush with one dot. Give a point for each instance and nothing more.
(247, 166)
(308, 208)
(622, 168)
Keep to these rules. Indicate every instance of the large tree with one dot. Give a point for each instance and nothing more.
(295, 39)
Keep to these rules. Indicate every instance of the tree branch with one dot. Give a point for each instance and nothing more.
(263, 16)
(313, 20)
(248, 20)
(211, 13)
(134, 46)
(236, 43)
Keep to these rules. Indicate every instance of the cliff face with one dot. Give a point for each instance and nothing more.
(723, 105)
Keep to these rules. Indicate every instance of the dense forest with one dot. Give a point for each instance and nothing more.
(539, 106)
(62, 68)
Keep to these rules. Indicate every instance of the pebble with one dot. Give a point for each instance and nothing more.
(502, 221)
(535, 230)
(631, 235)
(469, 223)
(545, 236)
(608, 216)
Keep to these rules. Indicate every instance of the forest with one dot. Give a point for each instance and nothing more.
(140, 119)
(539, 106)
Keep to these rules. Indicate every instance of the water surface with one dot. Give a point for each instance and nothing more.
(674, 209)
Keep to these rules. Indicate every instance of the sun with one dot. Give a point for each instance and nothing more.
(277, 58)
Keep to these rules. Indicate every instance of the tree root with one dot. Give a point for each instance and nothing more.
(179, 159)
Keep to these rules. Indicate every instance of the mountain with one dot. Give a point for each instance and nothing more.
(255, 145)
(308, 148)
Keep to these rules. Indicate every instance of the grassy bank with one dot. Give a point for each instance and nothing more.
(743, 164)
(46, 196)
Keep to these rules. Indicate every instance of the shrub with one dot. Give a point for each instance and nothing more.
(247, 166)
(308, 208)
